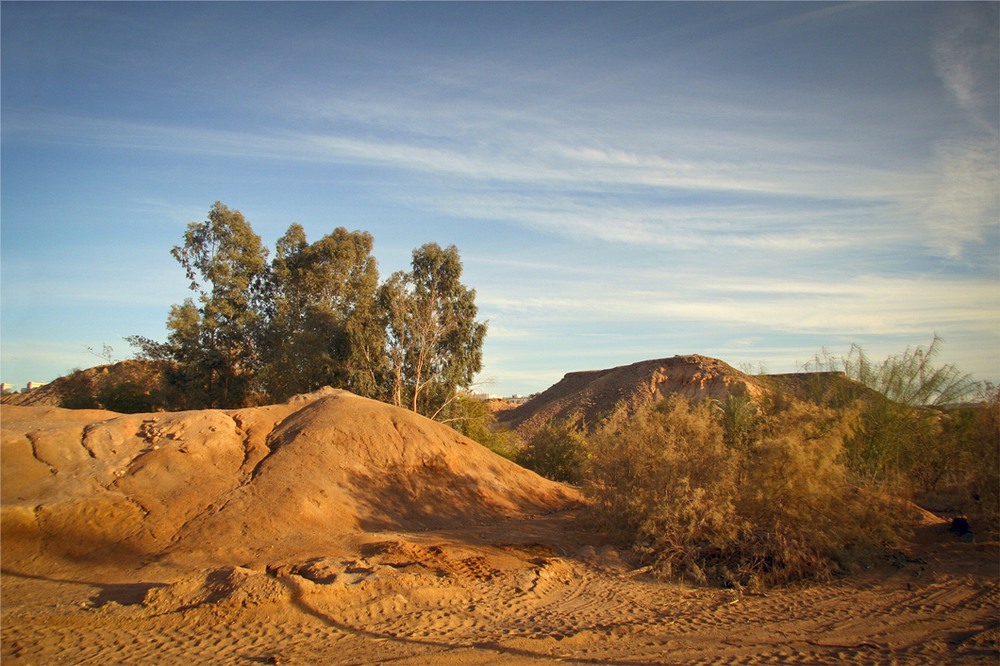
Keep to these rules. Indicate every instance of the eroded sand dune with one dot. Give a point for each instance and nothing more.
(245, 486)
(338, 530)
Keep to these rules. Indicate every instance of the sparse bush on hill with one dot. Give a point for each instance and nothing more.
(897, 431)
(558, 451)
(127, 386)
(473, 418)
(917, 436)
(703, 504)
(983, 455)
(960, 472)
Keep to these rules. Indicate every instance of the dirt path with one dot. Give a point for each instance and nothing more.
(527, 592)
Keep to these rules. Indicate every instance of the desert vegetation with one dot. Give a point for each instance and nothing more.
(751, 482)
(798, 484)
(703, 504)
(259, 332)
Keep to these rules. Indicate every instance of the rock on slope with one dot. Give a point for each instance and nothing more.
(589, 397)
(252, 485)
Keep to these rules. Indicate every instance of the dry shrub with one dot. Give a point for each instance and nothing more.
(808, 520)
(557, 451)
(702, 505)
(984, 480)
(959, 472)
(666, 479)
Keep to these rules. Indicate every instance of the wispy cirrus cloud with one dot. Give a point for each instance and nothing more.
(862, 305)
(966, 58)
(533, 160)
(964, 201)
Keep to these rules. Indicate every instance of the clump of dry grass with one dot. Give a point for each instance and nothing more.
(771, 506)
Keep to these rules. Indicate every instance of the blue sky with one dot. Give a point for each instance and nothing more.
(750, 181)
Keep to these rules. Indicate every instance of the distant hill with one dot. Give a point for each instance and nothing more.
(127, 386)
(588, 398)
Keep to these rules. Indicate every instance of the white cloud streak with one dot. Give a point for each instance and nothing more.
(965, 199)
(864, 305)
(965, 55)
(551, 186)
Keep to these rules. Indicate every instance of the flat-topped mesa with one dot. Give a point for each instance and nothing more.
(589, 397)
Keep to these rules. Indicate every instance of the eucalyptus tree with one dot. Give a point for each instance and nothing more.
(214, 337)
(434, 343)
(322, 326)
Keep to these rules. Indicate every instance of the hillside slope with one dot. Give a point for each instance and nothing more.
(229, 487)
(587, 398)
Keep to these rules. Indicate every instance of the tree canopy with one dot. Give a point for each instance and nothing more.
(316, 315)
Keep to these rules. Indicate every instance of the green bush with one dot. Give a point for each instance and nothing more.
(701, 504)
(473, 418)
(557, 451)
(898, 429)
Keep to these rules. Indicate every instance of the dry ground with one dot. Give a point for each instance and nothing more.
(537, 590)
(338, 530)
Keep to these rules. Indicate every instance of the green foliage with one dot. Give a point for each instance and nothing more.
(434, 343)
(898, 433)
(703, 504)
(473, 418)
(742, 421)
(911, 378)
(216, 339)
(321, 327)
(557, 451)
(314, 316)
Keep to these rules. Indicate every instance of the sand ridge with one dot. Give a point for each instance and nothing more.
(248, 485)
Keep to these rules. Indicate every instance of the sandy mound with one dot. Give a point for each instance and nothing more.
(251, 485)
(338, 530)
(591, 396)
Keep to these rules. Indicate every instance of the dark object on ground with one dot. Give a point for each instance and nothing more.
(960, 526)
